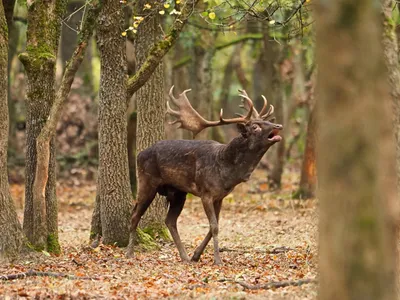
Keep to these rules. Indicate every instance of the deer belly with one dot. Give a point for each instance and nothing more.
(181, 180)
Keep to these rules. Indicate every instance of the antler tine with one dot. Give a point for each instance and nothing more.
(171, 95)
(269, 113)
(262, 112)
(171, 111)
(251, 110)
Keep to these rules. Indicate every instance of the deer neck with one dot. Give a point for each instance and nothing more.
(241, 158)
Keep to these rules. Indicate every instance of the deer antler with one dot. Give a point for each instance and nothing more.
(263, 114)
(188, 118)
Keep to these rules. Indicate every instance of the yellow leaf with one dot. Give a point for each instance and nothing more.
(147, 6)
(123, 33)
(161, 12)
(211, 15)
(272, 22)
(178, 1)
(167, 5)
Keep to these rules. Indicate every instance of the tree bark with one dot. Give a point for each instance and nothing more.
(11, 237)
(391, 54)
(13, 34)
(271, 58)
(356, 157)
(113, 201)
(151, 106)
(43, 34)
(201, 78)
(308, 179)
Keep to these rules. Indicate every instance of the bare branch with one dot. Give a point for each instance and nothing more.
(158, 51)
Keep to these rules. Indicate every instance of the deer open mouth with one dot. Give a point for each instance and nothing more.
(274, 136)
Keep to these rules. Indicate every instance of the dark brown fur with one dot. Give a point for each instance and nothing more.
(207, 169)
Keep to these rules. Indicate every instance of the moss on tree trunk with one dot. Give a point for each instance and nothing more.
(43, 34)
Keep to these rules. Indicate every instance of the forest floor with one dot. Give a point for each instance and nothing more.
(264, 237)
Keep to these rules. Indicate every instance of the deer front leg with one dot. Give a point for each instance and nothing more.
(200, 249)
(208, 205)
(176, 203)
(145, 196)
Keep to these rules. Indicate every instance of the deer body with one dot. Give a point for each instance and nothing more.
(197, 167)
(207, 169)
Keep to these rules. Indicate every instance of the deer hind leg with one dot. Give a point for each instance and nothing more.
(176, 201)
(145, 196)
(200, 249)
(208, 205)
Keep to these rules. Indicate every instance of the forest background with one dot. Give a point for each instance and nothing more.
(87, 89)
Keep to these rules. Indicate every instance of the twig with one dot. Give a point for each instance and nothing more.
(31, 273)
(273, 251)
(275, 284)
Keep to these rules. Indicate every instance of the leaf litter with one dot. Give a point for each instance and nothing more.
(264, 237)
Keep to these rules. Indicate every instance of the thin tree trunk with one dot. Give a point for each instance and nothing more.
(308, 179)
(43, 34)
(274, 57)
(11, 237)
(356, 159)
(180, 80)
(49, 129)
(113, 201)
(391, 54)
(201, 78)
(151, 107)
(13, 34)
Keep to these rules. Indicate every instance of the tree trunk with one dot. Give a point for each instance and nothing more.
(11, 237)
(356, 159)
(43, 34)
(13, 34)
(201, 78)
(180, 80)
(50, 124)
(151, 106)
(308, 179)
(390, 50)
(266, 81)
(272, 54)
(113, 201)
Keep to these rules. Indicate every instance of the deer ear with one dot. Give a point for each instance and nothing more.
(242, 129)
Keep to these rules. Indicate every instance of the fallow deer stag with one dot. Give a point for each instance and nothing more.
(207, 169)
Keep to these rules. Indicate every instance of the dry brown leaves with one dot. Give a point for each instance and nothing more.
(263, 237)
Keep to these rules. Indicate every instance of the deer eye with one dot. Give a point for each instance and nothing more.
(255, 127)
